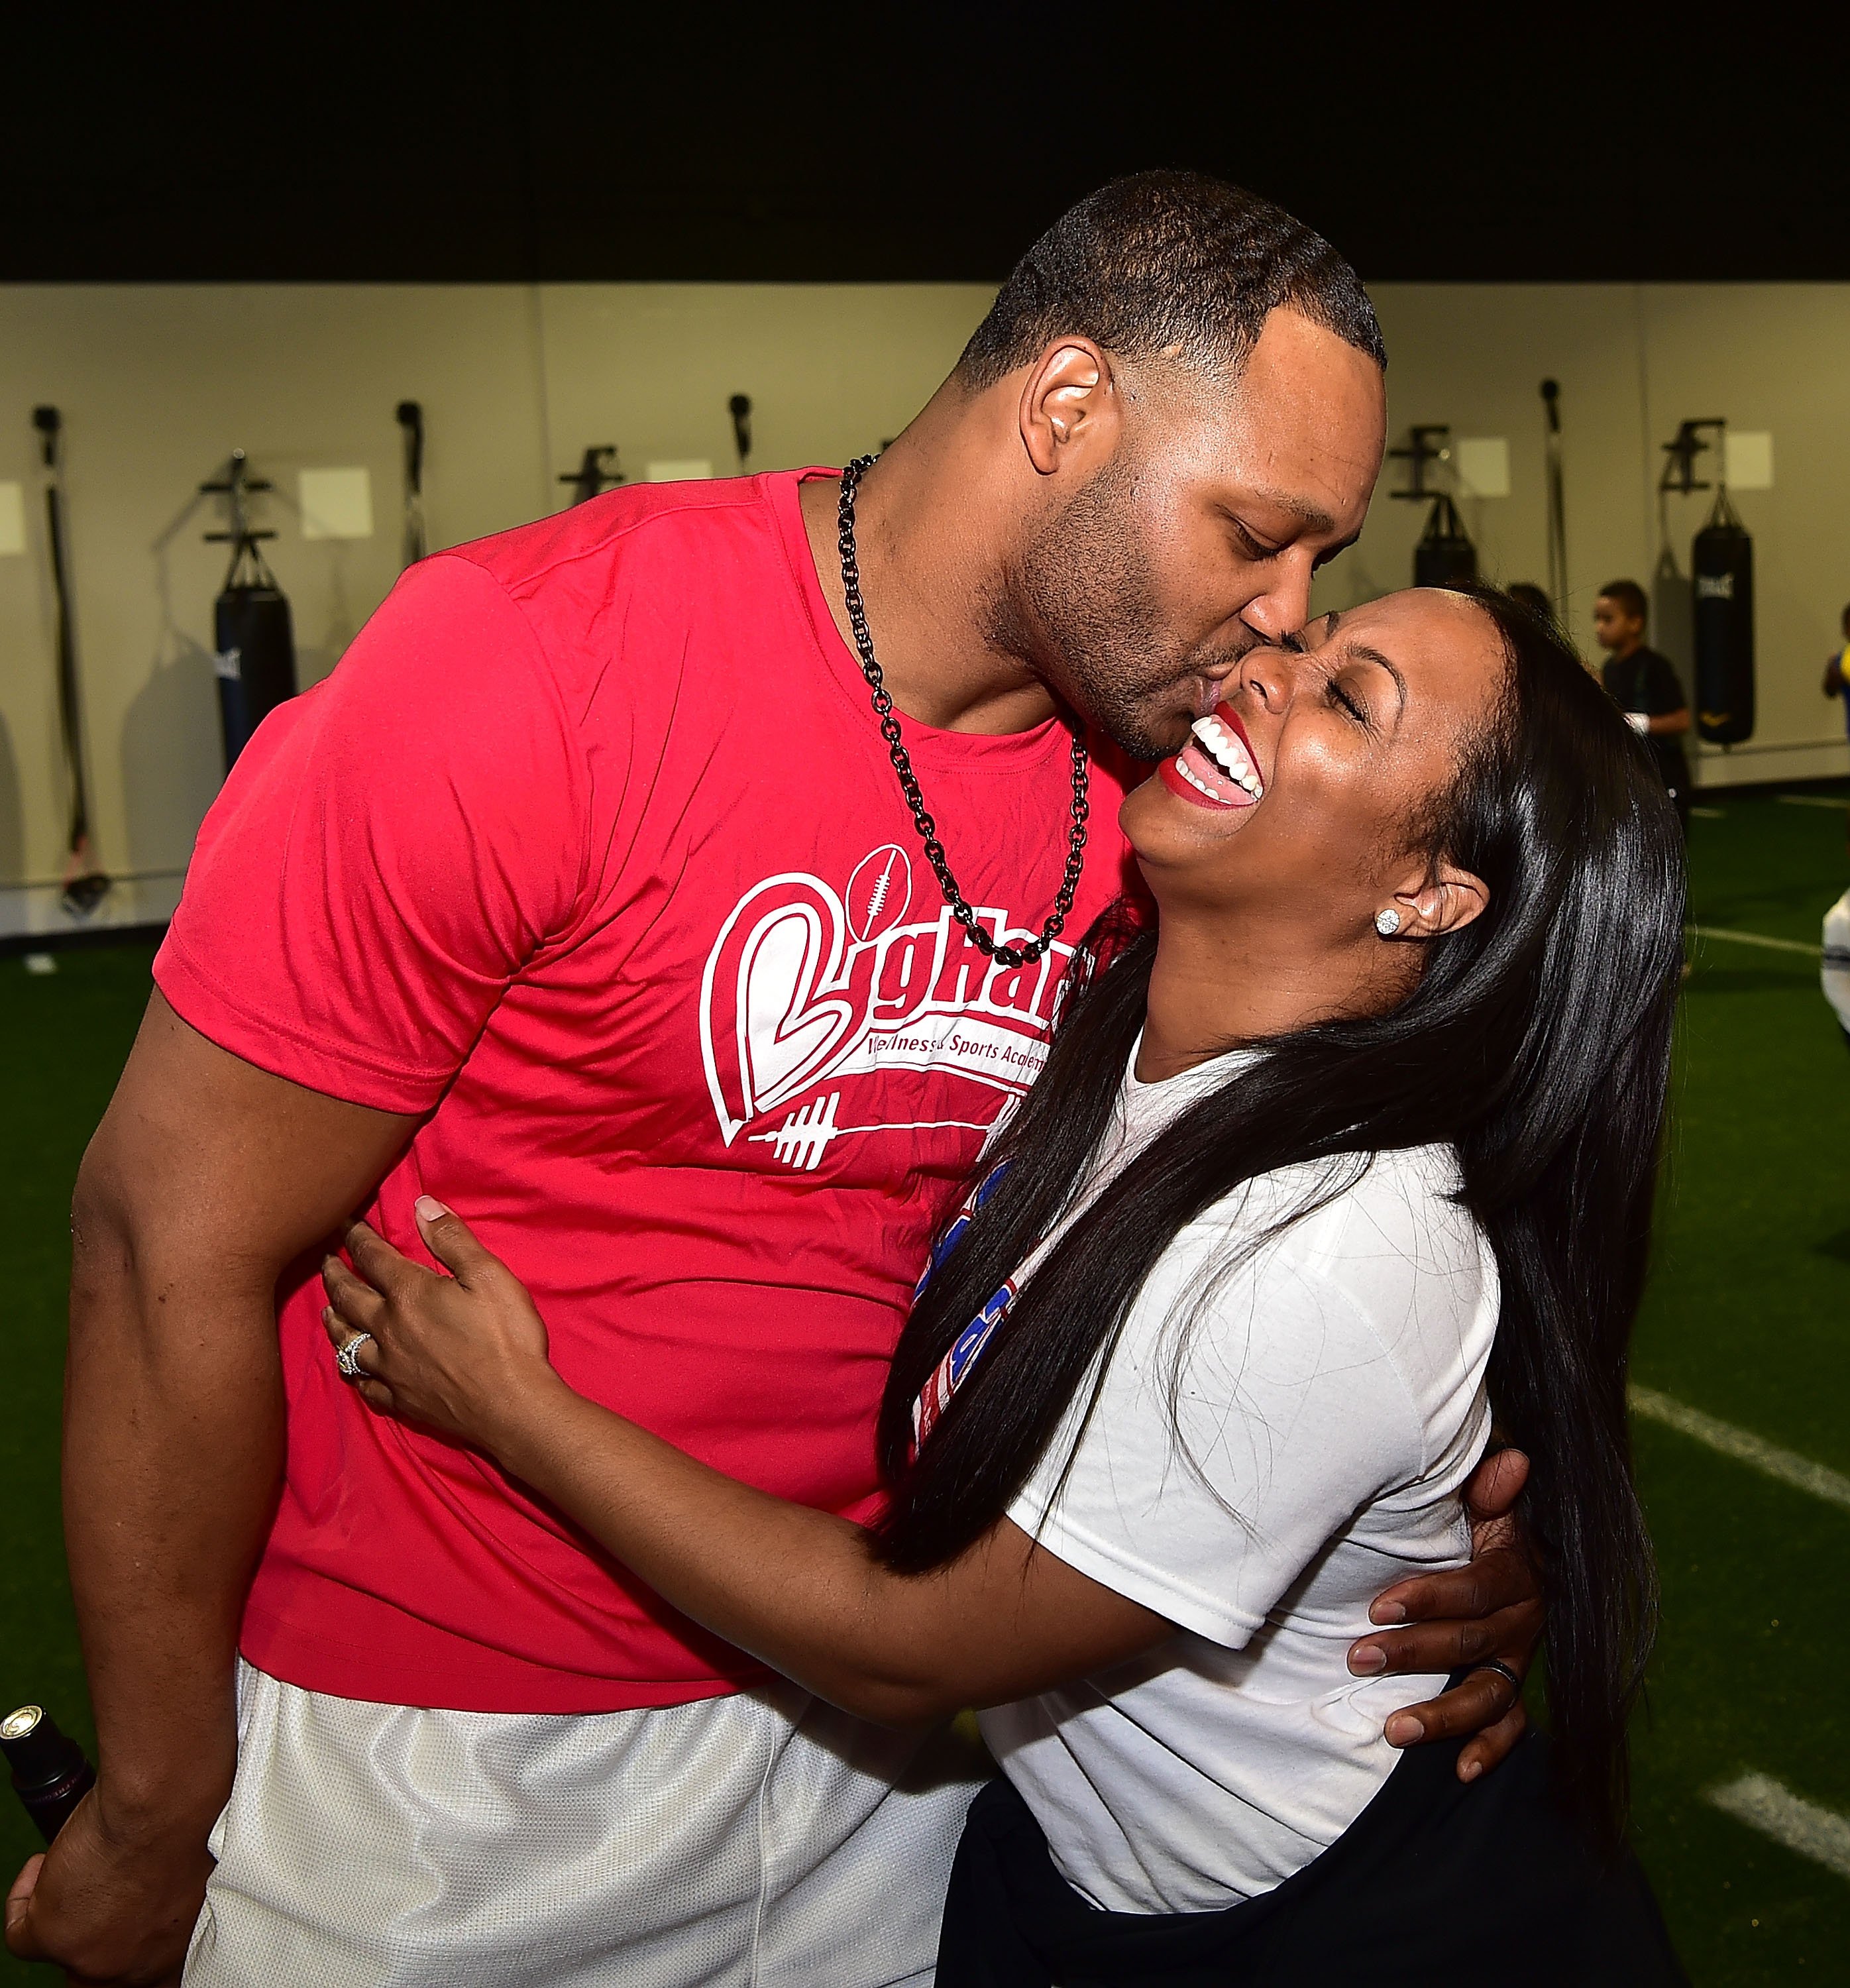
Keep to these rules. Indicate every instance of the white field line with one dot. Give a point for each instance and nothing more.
(1745, 1447)
(1756, 938)
(1814, 800)
(1765, 1804)
(1711, 814)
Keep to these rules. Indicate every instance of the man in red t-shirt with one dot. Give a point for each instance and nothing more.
(586, 888)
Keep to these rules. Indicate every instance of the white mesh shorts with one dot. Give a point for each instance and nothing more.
(760, 1841)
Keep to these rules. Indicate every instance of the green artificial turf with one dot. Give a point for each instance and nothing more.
(1746, 1320)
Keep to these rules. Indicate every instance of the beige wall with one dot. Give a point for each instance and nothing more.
(831, 370)
(158, 384)
(157, 387)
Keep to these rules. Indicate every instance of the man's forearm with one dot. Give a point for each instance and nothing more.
(206, 1177)
(173, 1446)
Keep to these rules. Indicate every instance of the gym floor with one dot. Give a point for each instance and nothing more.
(1742, 1369)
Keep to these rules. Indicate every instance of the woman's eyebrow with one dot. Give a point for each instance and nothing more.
(1362, 653)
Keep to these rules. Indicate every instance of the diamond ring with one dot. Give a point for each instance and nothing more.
(347, 1358)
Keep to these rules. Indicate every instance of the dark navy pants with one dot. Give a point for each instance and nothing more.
(1435, 1883)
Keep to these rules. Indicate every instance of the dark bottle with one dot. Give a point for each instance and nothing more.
(50, 1773)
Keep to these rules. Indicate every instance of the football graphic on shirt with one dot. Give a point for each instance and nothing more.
(879, 892)
(806, 990)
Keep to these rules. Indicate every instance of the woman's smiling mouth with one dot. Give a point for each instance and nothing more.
(1216, 768)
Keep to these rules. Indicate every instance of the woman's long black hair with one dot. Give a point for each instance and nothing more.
(1536, 1043)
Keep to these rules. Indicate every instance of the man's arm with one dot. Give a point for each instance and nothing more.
(1669, 708)
(207, 1177)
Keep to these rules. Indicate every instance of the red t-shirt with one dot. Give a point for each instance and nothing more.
(589, 853)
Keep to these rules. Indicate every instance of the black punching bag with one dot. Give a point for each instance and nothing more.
(1722, 567)
(1445, 555)
(256, 658)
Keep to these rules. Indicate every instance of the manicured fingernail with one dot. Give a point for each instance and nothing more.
(1468, 1770)
(1387, 1611)
(1366, 1661)
(429, 1210)
(1402, 1731)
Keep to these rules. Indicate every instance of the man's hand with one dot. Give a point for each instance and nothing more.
(1491, 1608)
(107, 1910)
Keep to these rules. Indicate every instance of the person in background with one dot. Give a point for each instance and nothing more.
(1643, 684)
(1834, 971)
(1836, 684)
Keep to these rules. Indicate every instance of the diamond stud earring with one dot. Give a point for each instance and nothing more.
(1387, 922)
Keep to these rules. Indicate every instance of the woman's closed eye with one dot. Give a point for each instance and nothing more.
(1340, 695)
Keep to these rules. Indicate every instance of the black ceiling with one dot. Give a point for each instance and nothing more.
(867, 142)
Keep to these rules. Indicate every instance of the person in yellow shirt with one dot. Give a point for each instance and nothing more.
(1836, 670)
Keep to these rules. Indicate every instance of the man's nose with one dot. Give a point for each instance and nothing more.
(1285, 606)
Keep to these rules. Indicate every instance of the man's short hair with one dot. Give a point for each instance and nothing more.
(1166, 261)
(1845, 623)
(1630, 597)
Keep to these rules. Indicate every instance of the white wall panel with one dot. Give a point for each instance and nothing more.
(158, 384)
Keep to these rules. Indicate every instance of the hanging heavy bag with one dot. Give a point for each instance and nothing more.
(1445, 555)
(256, 658)
(1722, 570)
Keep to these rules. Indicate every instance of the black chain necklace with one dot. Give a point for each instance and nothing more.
(1004, 955)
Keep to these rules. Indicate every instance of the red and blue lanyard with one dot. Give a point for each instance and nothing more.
(948, 1376)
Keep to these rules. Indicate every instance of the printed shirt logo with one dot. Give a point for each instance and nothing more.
(805, 989)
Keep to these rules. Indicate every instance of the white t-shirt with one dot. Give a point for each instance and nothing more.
(1331, 1403)
(1835, 970)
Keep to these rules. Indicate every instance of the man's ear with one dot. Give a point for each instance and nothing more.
(1446, 900)
(1069, 404)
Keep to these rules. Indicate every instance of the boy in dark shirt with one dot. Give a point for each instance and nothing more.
(1643, 684)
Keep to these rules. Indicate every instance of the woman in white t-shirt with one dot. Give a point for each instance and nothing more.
(1358, 1148)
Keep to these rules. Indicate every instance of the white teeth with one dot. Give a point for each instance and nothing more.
(1200, 785)
(1222, 745)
